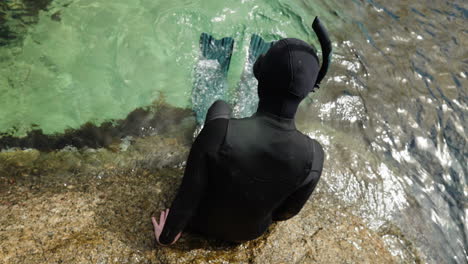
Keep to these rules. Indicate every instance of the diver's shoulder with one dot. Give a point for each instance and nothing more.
(310, 139)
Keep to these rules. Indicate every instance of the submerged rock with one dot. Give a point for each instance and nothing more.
(94, 206)
(16, 16)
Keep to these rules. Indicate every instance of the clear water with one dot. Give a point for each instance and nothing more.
(105, 58)
(391, 114)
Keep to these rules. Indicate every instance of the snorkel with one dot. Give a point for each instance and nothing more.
(326, 46)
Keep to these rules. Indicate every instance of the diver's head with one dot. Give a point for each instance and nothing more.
(286, 74)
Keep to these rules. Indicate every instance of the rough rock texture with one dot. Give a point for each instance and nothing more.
(94, 206)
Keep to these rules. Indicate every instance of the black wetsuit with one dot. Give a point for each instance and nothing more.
(242, 174)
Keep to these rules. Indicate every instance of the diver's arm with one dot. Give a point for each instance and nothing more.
(294, 203)
(194, 181)
(188, 195)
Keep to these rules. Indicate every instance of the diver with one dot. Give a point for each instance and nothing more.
(243, 174)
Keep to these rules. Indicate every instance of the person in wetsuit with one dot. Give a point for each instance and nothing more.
(243, 174)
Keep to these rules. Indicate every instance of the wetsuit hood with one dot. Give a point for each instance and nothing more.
(285, 74)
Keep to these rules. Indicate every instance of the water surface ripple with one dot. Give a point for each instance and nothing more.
(398, 109)
(391, 115)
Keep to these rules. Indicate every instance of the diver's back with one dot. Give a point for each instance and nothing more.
(261, 162)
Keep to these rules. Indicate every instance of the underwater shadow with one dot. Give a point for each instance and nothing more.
(159, 118)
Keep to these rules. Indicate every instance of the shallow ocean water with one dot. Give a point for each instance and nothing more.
(391, 114)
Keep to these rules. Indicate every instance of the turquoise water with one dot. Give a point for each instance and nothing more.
(105, 58)
(391, 114)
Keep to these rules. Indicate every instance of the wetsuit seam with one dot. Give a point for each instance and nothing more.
(224, 142)
(291, 72)
(222, 116)
(310, 162)
(274, 116)
(291, 69)
(291, 127)
(279, 127)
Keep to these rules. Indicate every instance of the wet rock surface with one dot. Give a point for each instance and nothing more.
(94, 206)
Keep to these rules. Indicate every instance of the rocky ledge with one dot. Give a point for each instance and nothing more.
(94, 206)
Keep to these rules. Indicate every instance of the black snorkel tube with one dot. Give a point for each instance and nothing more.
(326, 46)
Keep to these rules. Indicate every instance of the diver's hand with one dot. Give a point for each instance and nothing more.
(158, 228)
